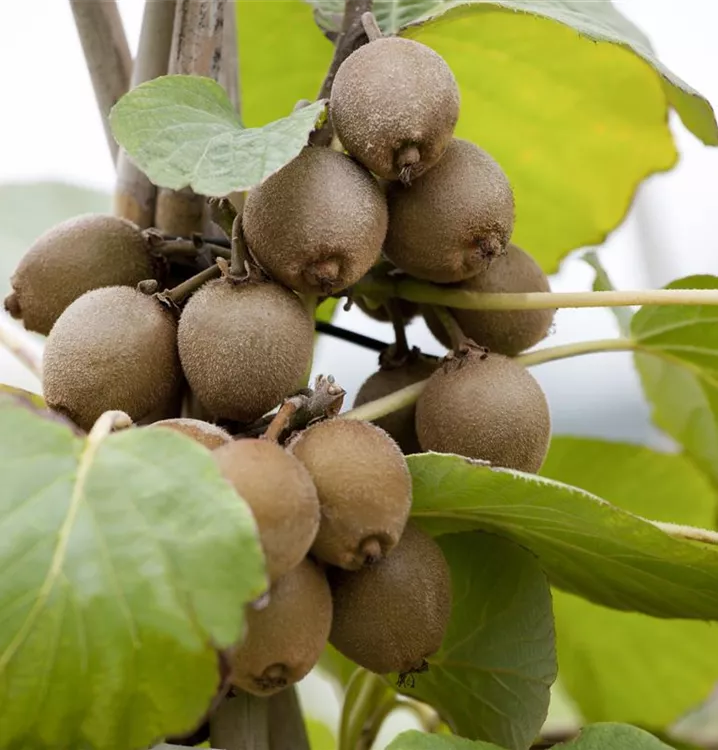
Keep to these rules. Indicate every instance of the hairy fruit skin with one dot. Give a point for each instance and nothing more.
(394, 105)
(76, 256)
(364, 490)
(392, 616)
(244, 347)
(281, 495)
(114, 348)
(285, 639)
(505, 332)
(486, 407)
(448, 225)
(400, 423)
(209, 435)
(317, 225)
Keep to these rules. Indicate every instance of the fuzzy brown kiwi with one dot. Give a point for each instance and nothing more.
(486, 407)
(507, 332)
(285, 639)
(281, 495)
(451, 222)
(74, 257)
(244, 347)
(392, 616)
(392, 377)
(364, 489)
(318, 224)
(112, 348)
(394, 105)
(209, 435)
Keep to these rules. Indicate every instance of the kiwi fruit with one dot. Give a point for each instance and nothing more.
(507, 332)
(209, 435)
(394, 105)
(285, 639)
(450, 223)
(364, 489)
(393, 377)
(244, 347)
(112, 348)
(392, 616)
(408, 310)
(278, 489)
(74, 257)
(486, 407)
(318, 224)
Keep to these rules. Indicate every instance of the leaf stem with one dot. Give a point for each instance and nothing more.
(18, 342)
(407, 396)
(686, 533)
(433, 294)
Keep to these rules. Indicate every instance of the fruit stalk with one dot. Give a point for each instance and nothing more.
(433, 294)
(180, 293)
(107, 54)
(456, 336)
(134, 194)
(401, 348)
(407, 396)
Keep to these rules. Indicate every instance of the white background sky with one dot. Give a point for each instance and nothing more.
(50, 130)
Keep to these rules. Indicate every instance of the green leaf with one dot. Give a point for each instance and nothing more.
(325, 311)
(413, 740)
(283, 57)
(677, 360)
(587, 546)
(391, 15)
(26, 211)
(602, 283)
(664, 671)
(595, 737)
(320, 736)
(32, 399)
(491, 678)
(183, 131)
(336, 666)
(567, 95)
(126, 560)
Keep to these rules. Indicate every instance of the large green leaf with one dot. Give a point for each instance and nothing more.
(677, 359)
(567, 95)
(28, 210)
(126, 559)
(184, 131)
(491, 678)
(664, 671)
(595, 737)
(587, 546)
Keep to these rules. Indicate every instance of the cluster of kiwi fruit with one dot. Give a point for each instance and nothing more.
(332, 500)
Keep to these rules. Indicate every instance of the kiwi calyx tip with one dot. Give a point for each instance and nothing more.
(408, 163)
(370, 551)
(12, 305)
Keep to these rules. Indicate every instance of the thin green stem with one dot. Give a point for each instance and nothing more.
(433, 294)
(453, 330)
(367, 702)
(565, 351)
(407, 396)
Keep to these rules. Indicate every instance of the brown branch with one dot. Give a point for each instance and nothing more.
(107, 54)
(240, 723)
(286, 724)
(179, 294)
(135, 194)
(298, 411)
(196, 50)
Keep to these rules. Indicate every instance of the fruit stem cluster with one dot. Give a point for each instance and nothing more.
(298, 411)
(434, 294)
